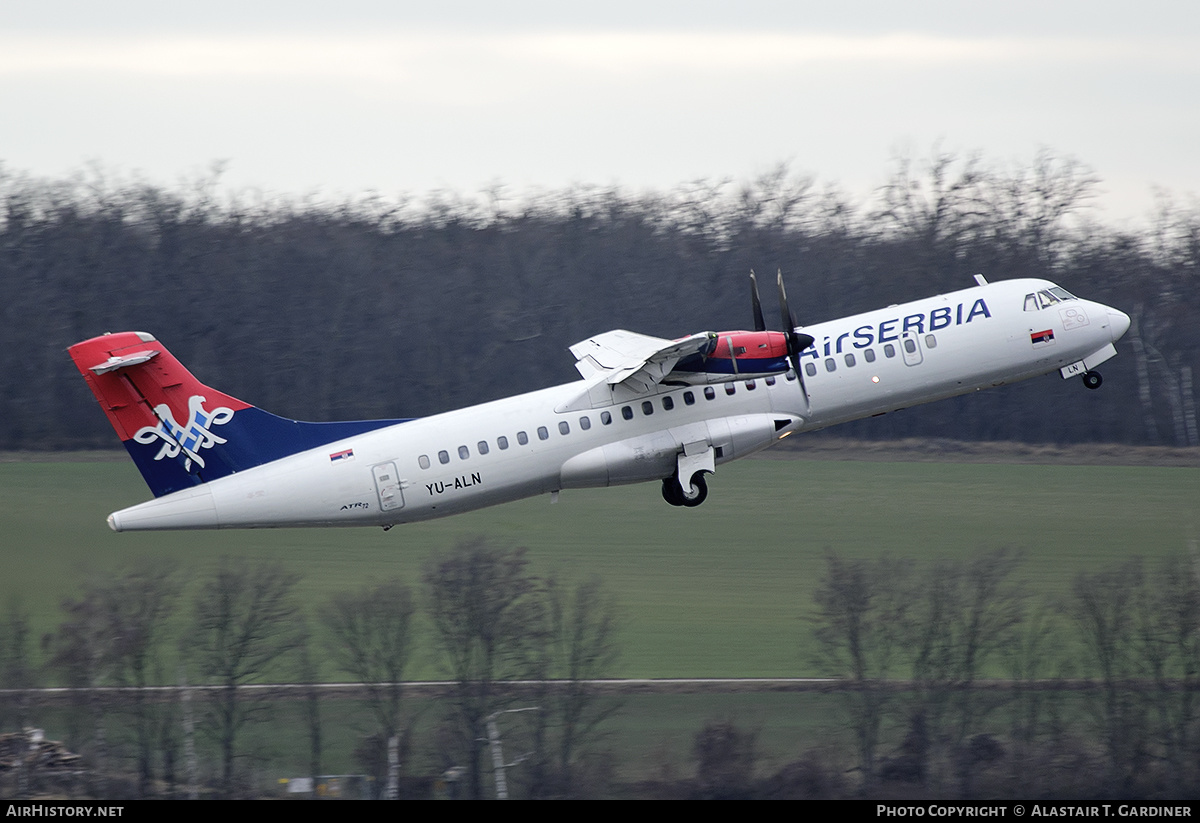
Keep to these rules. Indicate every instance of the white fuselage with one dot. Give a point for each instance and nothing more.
(530, 444)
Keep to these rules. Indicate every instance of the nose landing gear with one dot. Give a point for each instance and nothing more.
(1092, 379)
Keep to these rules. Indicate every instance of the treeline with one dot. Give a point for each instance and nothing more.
(1009, 694)
(491, 621)
(381, 307)
(954, 679)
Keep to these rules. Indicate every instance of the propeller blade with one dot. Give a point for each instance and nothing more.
(797, 341)
(759, 323)
(789, 322)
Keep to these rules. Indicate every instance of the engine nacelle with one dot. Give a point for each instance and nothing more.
(655, 455)
(734, 355)
(638, 459)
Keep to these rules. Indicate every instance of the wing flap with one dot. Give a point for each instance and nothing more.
(633, 364)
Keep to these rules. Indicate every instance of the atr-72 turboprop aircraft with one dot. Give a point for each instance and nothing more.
(646, 409)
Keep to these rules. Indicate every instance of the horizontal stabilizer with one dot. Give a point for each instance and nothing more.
(114, 363)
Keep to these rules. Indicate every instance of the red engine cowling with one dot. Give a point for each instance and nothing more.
(736, 354)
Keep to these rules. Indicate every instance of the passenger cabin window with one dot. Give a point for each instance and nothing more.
(627, 412)
(543, 433)
(849, 359)
(709, 392)
(791, 374)
(889, 350)
(564, 427)
(830, 364)
(482, 445)
(585, 423)
(605, 418)
(770, 381)
(930, 341)
(730, 388)
(423, 461)
(689, 399)
(502, 442)
(910, 345)
(668, 403)
(869, 355)
(443, 456)
(751, 385)
(523, 438)
(463, 452)
(810, 369)
(647, 407)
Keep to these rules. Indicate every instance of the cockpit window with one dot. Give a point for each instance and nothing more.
(1045, 299)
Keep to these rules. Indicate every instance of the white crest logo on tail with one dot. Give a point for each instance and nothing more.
(189, 439)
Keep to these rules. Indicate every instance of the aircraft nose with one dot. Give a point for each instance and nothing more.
(1118, 323)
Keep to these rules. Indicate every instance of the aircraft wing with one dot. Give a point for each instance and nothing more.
(633, 362)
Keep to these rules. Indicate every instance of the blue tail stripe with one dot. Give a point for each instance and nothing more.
(253, 437)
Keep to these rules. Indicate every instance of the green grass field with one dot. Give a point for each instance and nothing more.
(718, 591)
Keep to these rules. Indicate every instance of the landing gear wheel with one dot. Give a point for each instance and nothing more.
(695, 495)
(1092, 379)
(671, 491)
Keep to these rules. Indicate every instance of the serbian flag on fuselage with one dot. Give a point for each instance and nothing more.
(1042, 338)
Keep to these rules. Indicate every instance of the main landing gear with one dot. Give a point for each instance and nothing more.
(676, 496)
(1092, 379)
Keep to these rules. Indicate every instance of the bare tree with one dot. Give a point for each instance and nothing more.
(861, 624)
(370, 637)
(246, 622)
(83, 651)
(483, 603)
(17, 679)
(964, 614)
(1103, 609)
(579, 647)
(725, 759)
(16, 666)
(138, 603)
(1168, 643)
(309, 671)
(1028, 659)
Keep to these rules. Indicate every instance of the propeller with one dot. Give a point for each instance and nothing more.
(796, 341)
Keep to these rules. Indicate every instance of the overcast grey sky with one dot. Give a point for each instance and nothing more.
(339, 98)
